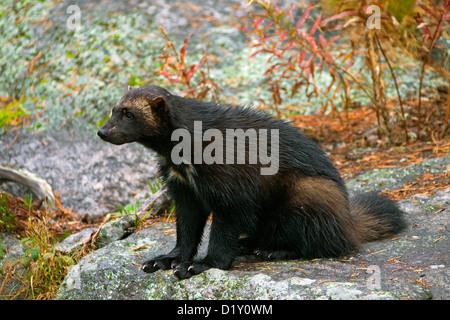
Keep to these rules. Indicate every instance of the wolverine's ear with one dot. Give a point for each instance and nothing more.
(159, 107)
(128, 89)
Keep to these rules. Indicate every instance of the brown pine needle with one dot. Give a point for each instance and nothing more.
(322, 281)
(139, 248)
(393, 259)
(378, 251)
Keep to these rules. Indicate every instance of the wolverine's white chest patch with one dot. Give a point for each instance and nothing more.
(185, 175)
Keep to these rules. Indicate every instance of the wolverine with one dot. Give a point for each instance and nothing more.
(301, 210)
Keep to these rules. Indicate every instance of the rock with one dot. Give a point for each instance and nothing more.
(75, 241)
(122, 227)
(113, 272)
(10, 250)
(10, 247)
(413, 265)
(91, 176)
(115, 230)
(394, 178)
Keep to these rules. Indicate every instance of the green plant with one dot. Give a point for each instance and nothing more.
(41, 270)
(172, 209)
(131, 210)
(128, 210)
(138, 221)
(156, 186)
(7, 219)
(12, 113)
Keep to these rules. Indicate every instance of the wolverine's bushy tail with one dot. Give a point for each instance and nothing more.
(376, 216)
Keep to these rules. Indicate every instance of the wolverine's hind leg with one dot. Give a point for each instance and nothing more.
(312, 221)
(277, 238)
(277, 254)
(250, 245)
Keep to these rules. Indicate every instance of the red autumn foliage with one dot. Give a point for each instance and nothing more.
(177, 71)
(299, 49)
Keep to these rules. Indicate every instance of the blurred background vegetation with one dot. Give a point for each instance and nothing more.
(52, 76)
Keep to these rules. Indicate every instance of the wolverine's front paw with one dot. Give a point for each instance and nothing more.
(162, 262)
(189, 269)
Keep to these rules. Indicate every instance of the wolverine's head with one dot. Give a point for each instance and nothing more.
(139, 114)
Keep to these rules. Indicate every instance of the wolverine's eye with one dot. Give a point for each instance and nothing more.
(129, 115)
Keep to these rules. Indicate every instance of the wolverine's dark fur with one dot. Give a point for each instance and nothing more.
(301, 211)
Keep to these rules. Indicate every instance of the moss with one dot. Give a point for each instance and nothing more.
(380, 179)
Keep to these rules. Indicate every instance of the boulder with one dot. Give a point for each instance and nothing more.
(413, 265)
(10, 251)
(90, 176)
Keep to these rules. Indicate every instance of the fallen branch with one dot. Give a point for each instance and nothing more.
(38, 186)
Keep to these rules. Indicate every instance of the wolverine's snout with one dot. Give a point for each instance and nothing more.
(102, 133)
(115, 135)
